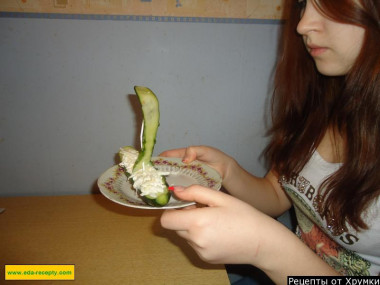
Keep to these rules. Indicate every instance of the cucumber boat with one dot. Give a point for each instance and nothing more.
(138, 167)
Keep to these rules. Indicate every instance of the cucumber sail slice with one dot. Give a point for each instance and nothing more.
(138, 166)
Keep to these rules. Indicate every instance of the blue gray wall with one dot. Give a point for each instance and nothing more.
(66, 104)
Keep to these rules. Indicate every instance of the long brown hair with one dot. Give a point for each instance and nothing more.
(306, 103)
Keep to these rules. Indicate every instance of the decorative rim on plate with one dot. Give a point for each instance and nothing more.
(114, 185)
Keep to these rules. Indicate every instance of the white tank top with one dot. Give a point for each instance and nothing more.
(348, 251)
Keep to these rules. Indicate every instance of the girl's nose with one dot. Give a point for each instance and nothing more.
(310, 19)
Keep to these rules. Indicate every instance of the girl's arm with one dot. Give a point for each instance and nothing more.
(265, 194)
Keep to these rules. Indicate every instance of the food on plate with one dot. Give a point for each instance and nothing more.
(149, 183)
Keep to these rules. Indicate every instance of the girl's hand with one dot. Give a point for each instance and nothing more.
(226, 231)
(213, 157)
(229, 231)
(264, 194)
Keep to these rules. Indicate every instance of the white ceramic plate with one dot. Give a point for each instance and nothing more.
(114, 185)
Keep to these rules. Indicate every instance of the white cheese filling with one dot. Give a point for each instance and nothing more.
(147, 180)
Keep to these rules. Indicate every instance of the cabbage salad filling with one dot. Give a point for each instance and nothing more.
(147, 179)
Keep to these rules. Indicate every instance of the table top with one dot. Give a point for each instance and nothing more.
(108, 243)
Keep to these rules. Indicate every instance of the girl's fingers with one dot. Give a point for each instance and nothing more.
(182, 220)
(177, 220)
(179, 152)
(184, 235)
(202, 195)
(188, 154)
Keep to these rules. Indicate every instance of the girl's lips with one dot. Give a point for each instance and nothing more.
(316, 50)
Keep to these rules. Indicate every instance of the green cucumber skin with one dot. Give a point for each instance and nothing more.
(161, 200)
(151, 113)
(150, 108)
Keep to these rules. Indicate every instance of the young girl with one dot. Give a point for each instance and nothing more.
(324, 154)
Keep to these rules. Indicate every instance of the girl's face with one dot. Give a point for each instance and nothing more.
(334, 46)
